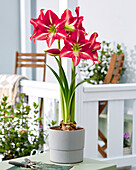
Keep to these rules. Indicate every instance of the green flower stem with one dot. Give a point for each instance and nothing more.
(59, 44)
(72, 114)
(61, 95)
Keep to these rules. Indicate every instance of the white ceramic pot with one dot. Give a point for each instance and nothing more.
(127, 151)
(66, 146)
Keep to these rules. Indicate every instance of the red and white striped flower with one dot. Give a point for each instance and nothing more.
(75, 47)
(94, 47)
(50, 28)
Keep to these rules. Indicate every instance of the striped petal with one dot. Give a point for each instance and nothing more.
(69, 45)
(50, 17)
(50, 40)
(67, 15)
(61, 34)
(59, 24)
(65, 53)
(84, 46)
(53, 52)
(41, 16)
(95, 56)
(93, 38)
(43, 26)
(97, 46)
(35, 33)
(34, 22)
(76, 60)
(42, 36)
(91, 57)
(85, 55)
(78, 36)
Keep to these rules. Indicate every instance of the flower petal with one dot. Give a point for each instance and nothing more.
(53, 52)
(59, 24)
(90, 56)
(65, 53)
(41, 16)
(50, 17)
(68, 45)
(34, 22)
(78, 36)
(42, 36)
(77, 11)
(50, 40)
(97, 46)
(84, 46)
(85, 55)
(95, 56)
(61, 34)
(93, 38)
(76, 60)
(43, 26)
(67, 15)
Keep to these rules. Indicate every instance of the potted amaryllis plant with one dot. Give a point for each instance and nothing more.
(127, 149)
(66, 141)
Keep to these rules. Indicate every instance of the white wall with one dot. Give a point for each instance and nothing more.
(114, 20)
(9, 34)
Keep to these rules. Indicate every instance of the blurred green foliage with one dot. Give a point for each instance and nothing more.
(98, 72)
(20, 133)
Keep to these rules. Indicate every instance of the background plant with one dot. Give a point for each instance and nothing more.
(17, 137)
(126, 140)
(98, 72)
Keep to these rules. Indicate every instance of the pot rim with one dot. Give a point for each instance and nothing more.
(63, 131)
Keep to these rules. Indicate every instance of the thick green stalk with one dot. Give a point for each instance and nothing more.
(72, 114)
(61, 95)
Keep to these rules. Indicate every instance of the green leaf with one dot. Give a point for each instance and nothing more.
(71, 86)
(53, 122)
(118, 46)
(64, 78)
(73, 91)
(5, 98)
(60, 83)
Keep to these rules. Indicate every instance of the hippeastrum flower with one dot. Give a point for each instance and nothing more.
(51, 28)
(34, 23)
(69, 20)
(94, 46)
(72, 23)
(75, 47)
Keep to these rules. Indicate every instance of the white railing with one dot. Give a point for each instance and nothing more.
(87, 109)
(115, 94)
(36, 90)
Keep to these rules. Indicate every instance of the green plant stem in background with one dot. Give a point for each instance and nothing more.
(61, 95)
(72, 116)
